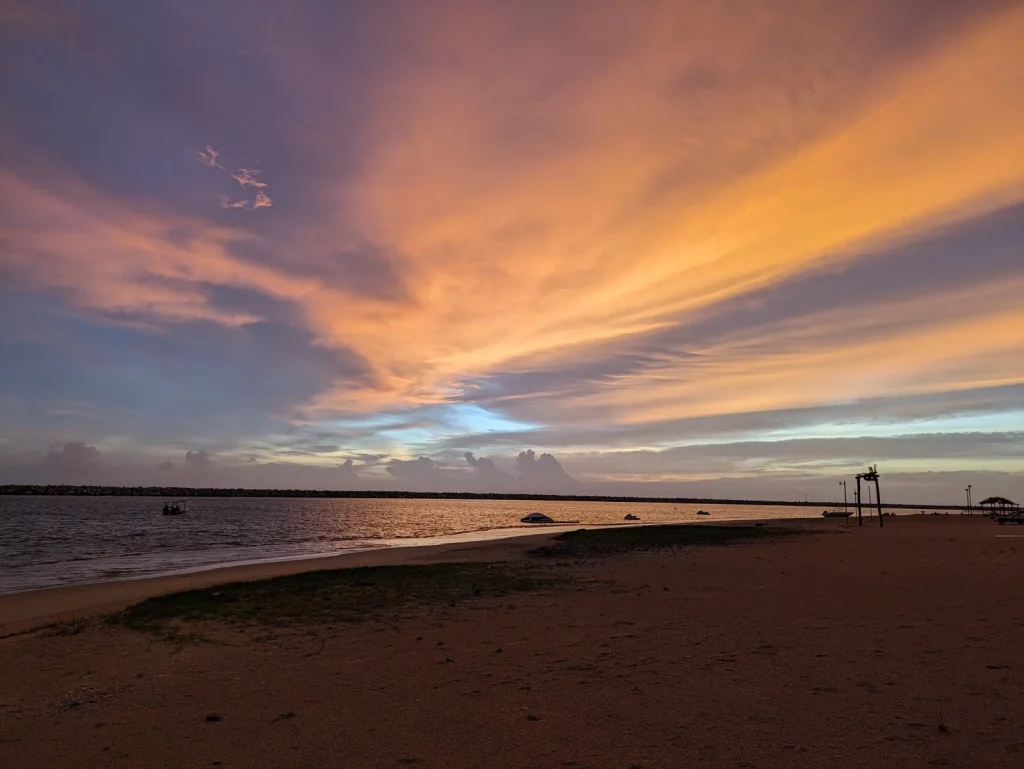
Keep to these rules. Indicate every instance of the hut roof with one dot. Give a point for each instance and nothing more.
(996, 501)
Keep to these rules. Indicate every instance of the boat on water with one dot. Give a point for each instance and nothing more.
(631, 517)
(178, 507)
(536, 518)
(835, 514)
(703, 512)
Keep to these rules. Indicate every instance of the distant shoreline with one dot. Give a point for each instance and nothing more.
(186, 492)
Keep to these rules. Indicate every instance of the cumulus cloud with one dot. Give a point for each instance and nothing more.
(426, 474)
(200, 459)
(73, 460)
(543, 472)
(488, 475)
(422, 468)
(483, 464)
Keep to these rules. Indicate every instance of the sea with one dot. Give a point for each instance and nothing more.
(52, 541)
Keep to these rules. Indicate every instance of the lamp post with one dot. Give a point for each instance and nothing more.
(968, 490)
(843, 484)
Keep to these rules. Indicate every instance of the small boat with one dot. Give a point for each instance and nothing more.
(835, 514)
(703, 512)
(179, 507)
(536, 518)
(631, 517)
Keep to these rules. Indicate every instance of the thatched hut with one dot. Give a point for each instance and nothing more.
(999, 506)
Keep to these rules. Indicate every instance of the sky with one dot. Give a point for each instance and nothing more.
(729, 249)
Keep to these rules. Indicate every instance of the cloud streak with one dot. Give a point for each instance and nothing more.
(613, 226)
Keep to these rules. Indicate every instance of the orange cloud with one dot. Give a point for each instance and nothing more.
(208, 157)
(958, 341)
(607, 178)
(514, 254)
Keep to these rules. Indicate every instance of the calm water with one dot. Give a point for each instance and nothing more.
(51, 541)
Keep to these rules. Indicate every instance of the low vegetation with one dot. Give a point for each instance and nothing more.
(348, 595)
(330, 596)
(584, 543)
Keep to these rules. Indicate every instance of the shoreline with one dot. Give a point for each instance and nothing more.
(29, 609)
(361, 546)
(655, 657)
(188, 492)
(114, 567)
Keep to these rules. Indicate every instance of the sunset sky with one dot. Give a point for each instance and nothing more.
(737, 248)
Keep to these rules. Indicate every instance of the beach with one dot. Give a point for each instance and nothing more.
(845, 645)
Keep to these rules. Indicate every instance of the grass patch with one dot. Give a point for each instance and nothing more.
(66, 628)
(584, 543)
(329, 596)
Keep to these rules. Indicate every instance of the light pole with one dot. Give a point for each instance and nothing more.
(843, 484)
(968, 490)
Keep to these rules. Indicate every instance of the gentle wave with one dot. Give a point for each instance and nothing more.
(54, 541)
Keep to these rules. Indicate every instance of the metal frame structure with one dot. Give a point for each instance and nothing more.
(869, 476)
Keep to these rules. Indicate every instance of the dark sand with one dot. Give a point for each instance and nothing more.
(858, 648)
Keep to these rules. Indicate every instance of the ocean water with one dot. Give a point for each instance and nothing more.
(53, 541)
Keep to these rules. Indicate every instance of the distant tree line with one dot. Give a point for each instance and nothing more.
(183, 492)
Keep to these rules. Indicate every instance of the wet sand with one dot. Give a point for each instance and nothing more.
(30, 609)
(856, 647)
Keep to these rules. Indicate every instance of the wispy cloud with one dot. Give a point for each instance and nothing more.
(208, 157)
(727, 245)
(262, 200)
(226, 202)
(246, 177)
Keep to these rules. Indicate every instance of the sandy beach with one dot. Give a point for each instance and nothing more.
(849, 647)
(23, 611)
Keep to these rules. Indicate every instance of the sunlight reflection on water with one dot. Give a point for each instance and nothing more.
(51, 541)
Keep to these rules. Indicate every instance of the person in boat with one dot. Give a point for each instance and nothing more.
(167, 509)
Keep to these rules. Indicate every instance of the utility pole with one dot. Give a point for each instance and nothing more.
(878, 496)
